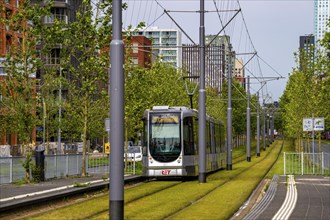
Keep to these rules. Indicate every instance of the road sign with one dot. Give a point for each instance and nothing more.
(318, 124)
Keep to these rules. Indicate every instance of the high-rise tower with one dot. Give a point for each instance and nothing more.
(321, 18)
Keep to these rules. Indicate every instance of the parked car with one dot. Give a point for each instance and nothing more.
(134, 153)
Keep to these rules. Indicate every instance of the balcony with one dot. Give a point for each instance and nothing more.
(51, 19)
(61, 3)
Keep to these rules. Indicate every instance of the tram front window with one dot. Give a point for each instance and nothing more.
(165, 137)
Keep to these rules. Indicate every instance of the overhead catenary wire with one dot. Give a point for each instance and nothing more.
(224, 10)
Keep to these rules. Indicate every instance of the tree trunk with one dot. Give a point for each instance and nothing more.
(83, 167)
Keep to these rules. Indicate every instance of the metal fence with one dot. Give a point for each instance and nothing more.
(307, 163)
(59, 166)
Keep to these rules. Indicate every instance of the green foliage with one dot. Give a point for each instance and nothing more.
(18, 88)
(27, 163)
(36, 173)
(239, 105)
(307, 91)
(162, 84)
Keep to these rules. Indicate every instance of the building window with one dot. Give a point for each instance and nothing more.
(53, 57)
(135, 48)
(2, 71)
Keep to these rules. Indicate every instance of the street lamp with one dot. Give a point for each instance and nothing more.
(190, 94)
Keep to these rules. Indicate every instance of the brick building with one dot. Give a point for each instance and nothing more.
(141, 51)
(8, 38)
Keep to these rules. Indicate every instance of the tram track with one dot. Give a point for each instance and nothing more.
(143, 192)
(233, 178)
(179, 191)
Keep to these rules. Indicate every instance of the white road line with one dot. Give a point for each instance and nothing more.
(290, 201)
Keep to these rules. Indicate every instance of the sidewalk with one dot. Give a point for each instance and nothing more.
(12, 196)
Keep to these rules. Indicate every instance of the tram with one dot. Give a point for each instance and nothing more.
(170, 143)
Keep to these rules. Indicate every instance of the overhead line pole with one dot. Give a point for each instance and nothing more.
(263, 124)
(229, 114)
(258, 127)
(202, 100)
(116, 76)
(248, 126)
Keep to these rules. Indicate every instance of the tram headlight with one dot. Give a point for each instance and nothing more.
(151, 160)
(179, 160)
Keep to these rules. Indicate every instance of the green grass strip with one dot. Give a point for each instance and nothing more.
(94, 206)
(227, 199)
(163, 199)
(189, 194)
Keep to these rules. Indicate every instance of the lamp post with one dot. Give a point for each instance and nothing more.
(190, 94)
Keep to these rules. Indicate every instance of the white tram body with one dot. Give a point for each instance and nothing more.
(170, 142)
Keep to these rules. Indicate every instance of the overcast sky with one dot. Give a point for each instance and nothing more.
(274, 28)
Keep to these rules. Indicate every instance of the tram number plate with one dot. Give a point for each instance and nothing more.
(166, 172)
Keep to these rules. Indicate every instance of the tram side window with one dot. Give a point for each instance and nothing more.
(195, 132)
(212, 137)
(145, 137)
(222, 139)
(188, 136)
(217, 137)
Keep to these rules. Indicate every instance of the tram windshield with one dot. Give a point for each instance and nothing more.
(165, 137)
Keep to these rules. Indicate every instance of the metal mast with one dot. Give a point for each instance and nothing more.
(202, 100)
(116, 114)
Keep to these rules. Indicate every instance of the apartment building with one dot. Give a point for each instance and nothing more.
(321, 19)
(214, 64)
(64, 10)
(166, 44)
(239, 72)
(216, 60)
(307, 44)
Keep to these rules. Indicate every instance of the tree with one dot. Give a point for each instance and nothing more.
(162, 84)
(238, 107)
(83, 65)
(19, 87)
(301, 98)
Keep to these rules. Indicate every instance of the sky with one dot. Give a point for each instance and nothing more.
(269, 27)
